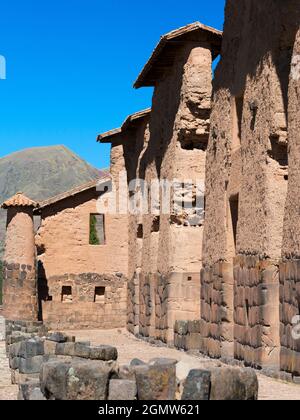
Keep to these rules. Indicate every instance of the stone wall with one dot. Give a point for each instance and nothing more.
(19, 285)
(289, 267)
(96, 301)
(289, 317)
(56, 367)
(82, 285)
(247, 176)
(217, 311)
(256, 312)
(175, 149)
(187, 335)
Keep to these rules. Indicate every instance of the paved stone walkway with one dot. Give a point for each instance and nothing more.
(7, 390)
(129, 348)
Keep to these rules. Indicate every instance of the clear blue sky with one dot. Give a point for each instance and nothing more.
(71, 65)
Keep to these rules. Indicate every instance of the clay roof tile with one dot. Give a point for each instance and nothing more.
(19, 200)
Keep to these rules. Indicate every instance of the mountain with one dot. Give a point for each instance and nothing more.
(41, 173)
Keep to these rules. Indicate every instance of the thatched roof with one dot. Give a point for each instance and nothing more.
(19, 200)
(164, 54)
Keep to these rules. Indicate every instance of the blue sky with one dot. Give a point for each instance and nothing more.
(71, 65)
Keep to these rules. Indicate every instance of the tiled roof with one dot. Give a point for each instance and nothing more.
(78, 190)
(19, 200)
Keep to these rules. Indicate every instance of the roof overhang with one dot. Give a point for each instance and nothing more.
(164, 54)
(130, 123)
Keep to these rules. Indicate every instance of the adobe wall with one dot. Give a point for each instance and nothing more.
(68, 260)
(19, 266)
(135, 142)
(247, 174)
(171, 254)
(290, 265)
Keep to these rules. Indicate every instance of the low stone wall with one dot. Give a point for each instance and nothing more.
(187, 335)
(289, 311)
(56, 367)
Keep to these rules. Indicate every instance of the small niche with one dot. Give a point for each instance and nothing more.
(155, 225)
(253, 109)
(140, 232)
(238, 107)
(279, 151)
(99, 296)
(234, 210)
(66, 294)
(247, 307)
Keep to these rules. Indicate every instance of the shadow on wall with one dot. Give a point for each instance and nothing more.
(43, 289)
(265, 37)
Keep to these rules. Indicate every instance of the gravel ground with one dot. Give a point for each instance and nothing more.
(129, 348)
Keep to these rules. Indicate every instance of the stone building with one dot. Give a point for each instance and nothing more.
(170, 144)
(66, 274)
(246, 313)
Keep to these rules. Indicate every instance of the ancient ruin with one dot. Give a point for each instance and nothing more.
(196, 244)
(164, 276)
(76, 283)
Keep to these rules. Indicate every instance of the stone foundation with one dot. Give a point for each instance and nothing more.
(289, 311)
(187, 335)
(56, 367)
(19, 292)
(133, 305)
(256, 312)
(165, 300)
(217, 311)
(93, 301)
(177, 297)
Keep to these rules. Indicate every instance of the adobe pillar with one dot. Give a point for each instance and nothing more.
(19, 266)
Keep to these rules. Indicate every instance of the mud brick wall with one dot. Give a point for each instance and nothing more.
(19, 285)
(187, 335)
(217, 311)
(289, 308)
(95, 301)
(256, 312)
(2, 326)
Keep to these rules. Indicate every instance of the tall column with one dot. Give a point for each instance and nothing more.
(19, 267)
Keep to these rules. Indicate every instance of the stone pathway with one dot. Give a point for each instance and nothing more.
(129, 348)
(7, 391)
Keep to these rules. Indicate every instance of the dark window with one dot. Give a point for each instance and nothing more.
(97, 229)
(99, 295)
(66, 294)
(279, 151)
(155, 224)
(237, 121)
(140, 232)
(234, 210)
